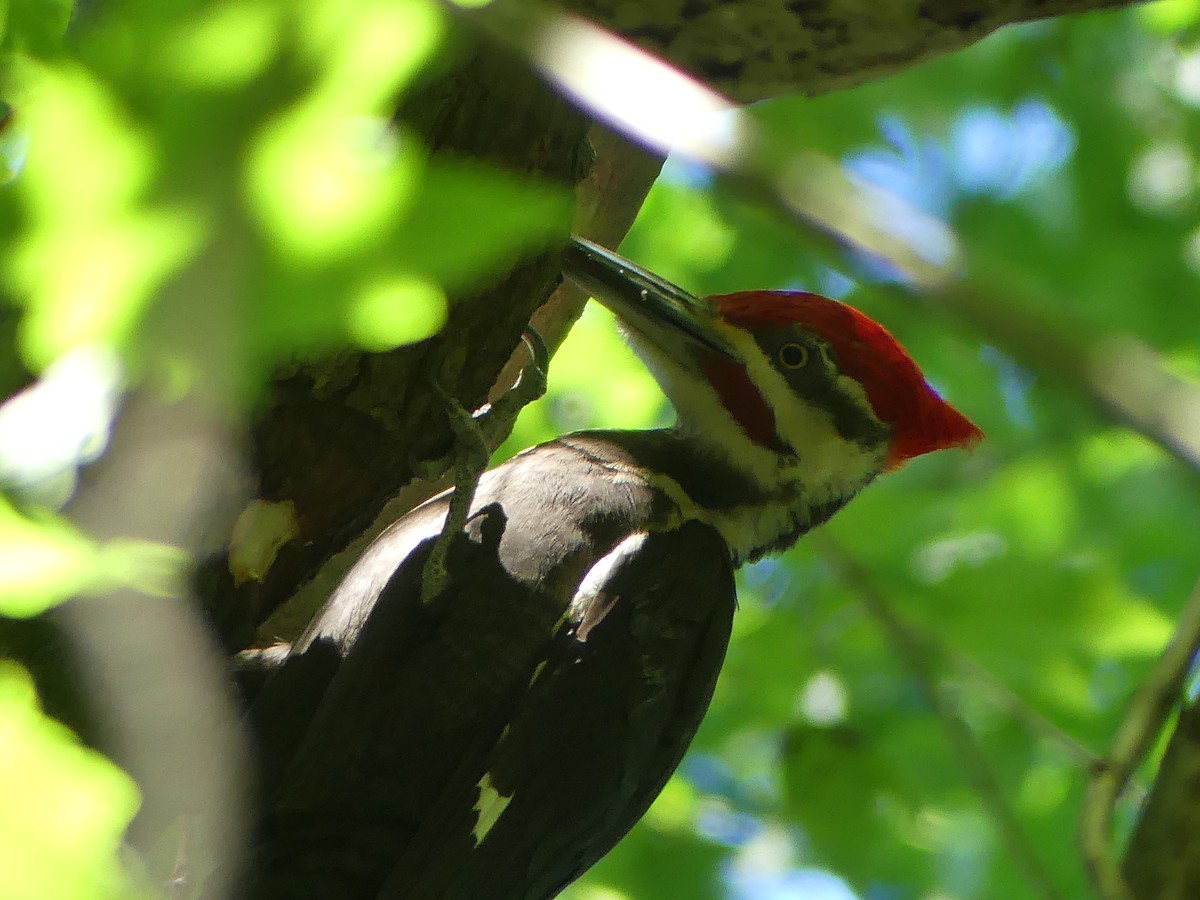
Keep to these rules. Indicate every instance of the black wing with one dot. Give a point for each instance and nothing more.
(594, 734)
(494, 743)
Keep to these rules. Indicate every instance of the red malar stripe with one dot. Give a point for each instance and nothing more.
(743, 400)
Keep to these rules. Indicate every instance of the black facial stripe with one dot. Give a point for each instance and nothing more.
(848, 417)
(817, 383)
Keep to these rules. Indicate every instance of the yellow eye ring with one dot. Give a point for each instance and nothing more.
(793, 356)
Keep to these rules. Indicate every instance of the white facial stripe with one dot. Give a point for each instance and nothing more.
(697, 403)
(826, 459)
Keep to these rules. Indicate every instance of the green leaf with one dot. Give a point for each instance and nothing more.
(841, 790)
(467, 221)
(41, 563)
(35, 26)
(656, 863)
(1171, 15)
(65, 807)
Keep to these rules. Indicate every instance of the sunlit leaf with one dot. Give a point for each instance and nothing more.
(396, 310)
(35, 26)
(235, 42)
(90, 260)
(321, 191)
(90, 282)
(368, 49)
(65, 806)
(1171, 15)
(41, 563)
(149, 567)
(88, 159)
(324, 176)
(468, 219)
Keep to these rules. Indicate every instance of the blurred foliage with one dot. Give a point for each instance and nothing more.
(41, 563)
(248, 144)
(65, 806)
(188, 176)
(196, 192)
(1046, 568)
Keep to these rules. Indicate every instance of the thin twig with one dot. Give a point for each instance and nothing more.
(1148, 710)
(1016, 706)
(1034, 720)
(915, 655)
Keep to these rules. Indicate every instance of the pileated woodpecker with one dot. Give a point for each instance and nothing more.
(496, 739)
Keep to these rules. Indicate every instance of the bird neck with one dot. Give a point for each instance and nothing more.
(759, 506)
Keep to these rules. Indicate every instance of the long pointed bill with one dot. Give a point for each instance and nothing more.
(648, 303)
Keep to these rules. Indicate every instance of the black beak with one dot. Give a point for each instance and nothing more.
(645, 302)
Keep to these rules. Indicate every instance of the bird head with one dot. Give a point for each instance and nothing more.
(790, 386)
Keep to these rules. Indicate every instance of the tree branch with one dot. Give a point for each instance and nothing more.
(1160, 861)
(1153, 867)
(754, 49)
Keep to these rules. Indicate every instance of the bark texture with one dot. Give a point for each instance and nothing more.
(754, 49)
(342, 435)
(1162, 861)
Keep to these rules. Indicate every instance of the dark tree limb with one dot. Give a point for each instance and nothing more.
(753, 49)
(1161, 860)
(342, 435)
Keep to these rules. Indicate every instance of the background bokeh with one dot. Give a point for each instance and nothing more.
(1041, 573)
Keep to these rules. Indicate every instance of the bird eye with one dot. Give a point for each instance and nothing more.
(793, 356)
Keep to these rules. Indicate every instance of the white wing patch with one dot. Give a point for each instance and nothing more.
(491, 803)
(488, 808)
(592, 585)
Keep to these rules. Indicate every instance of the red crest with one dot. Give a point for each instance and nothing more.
(867, 352)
